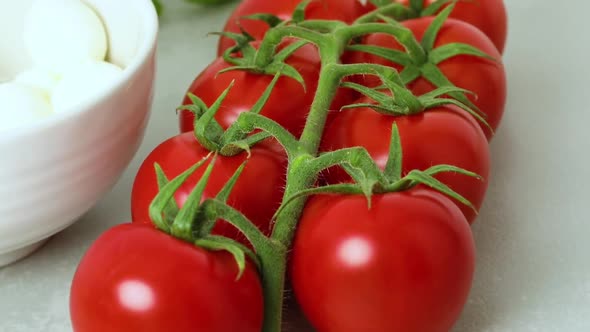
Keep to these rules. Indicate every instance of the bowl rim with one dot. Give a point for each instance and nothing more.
(150, 24)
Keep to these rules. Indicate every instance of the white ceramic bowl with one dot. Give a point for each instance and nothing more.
(54, 171)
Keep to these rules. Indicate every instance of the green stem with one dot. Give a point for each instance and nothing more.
(316, 121)
(299, 176)
(321, 25)
(403, 35)
(215, 209)
(272, 254)
(395, 10)
(248, 121)
(370, 69)
(274, 36)
(358, 155)
(273, 258)
(304, 162)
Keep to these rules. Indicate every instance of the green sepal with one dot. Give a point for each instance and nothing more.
(417, 5)
(285, 70)
(401, 93)
(420, 177)
(449, 101)
(197, 107)
(435, 76)
(286, 52)
(386, 11)
(224, 193)
(438, 92)
(374, 94)
(376, 107)
(207, 130)
(271, 69)
(432, 31)
(343, 188)
(166, 194)
(236, 249)
(365, 181)
(235, 147)
(243, 45)
(410, 74)
(184, 223)
(435, 7)
(259, 105)
(389, 54)
(171, 209)
(299, 12)
(247, 68)
(448, 51)
(393, 167)
(434, 170)
(380, 3)
(404, 102)
(207, 224)
(235, 136)
(270, 19)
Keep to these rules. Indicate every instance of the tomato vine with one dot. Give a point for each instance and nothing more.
(195, 220)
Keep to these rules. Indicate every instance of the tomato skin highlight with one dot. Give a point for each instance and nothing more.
(289, 102)
(135, 278)
(342, 10)
(440, 136)
(404, 265)
(180, 152)
(485, 78)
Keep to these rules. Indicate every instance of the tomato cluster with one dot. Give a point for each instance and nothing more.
(367, 209)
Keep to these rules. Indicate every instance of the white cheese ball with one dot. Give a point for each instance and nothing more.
(39, 78)
(21, 104)
(61, 32)
(82, 82)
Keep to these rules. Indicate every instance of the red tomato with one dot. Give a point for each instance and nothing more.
(343, 10)
(135, 278)
(489, 16)
(288, 104)
(443, 135)
(483, 77)
(264, 172)
(404, 265)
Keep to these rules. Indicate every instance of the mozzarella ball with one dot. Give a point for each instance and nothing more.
(21, 104)
(82, 82)
(38, 78)
(59, 33)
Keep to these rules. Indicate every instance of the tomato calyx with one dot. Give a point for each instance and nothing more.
(194, 222)
(416, 66)
(237, 138)
(243, 57)
(369, 180)
(399, 12)
(405, 102)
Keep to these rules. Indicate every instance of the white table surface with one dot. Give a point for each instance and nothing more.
(532, 235)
